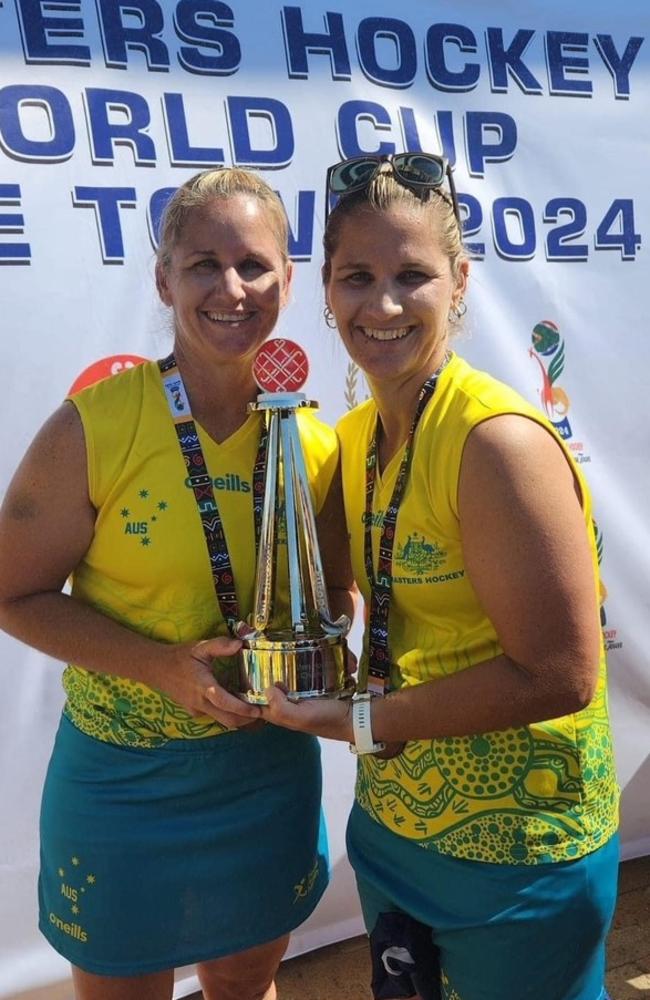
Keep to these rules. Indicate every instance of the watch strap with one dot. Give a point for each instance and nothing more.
(362, 726)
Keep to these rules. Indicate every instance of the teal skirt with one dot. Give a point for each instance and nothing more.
(450, 929)
(154, 859)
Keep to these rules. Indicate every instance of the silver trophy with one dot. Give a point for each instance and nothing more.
(307, 656)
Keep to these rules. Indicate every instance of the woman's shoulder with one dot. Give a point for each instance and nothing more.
(116, 394)
(471, 389)
(115, 413)
(467, 398)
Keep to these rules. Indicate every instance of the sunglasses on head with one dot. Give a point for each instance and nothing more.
(416, 171)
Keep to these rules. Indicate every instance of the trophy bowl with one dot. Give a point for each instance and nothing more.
(309, 667)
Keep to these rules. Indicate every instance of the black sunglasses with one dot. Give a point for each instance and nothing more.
(416, 171)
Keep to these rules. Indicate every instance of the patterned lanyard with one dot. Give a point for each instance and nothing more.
(202, 487)
(380, 583)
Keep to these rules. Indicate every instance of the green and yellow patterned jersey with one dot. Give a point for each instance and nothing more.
(148, 566)
(537, 793)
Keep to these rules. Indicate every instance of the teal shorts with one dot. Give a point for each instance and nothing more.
(450, 929)
(155, 859)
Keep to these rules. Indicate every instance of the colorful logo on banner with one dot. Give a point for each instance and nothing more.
(104, 368)
(548, 352)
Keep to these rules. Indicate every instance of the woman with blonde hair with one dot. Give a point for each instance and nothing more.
(176, 828)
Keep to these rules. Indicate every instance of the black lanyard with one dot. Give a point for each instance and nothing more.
(203, 489)
(381, 581)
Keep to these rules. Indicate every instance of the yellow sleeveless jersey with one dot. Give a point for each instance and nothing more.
(542, 792)
(148, 566)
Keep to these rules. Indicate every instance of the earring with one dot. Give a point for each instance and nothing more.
(457, 312)
(329, 318)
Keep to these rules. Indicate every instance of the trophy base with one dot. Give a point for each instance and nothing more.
(309, 667)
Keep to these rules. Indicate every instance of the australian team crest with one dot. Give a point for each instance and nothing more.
(419, 556)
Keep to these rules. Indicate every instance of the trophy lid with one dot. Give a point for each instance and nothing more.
(280, 366)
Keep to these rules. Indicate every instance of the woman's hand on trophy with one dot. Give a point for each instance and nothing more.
(191, 682)
(327, 717)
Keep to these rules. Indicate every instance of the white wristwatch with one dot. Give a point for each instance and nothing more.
(361, 726)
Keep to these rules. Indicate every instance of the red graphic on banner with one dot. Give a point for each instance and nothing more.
(104, 369)
(280, 366)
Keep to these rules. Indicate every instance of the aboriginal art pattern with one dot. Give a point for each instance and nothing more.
(519, 796)
(118, 711)
(532, 794)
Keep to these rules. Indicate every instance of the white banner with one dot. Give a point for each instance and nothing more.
(543, 109)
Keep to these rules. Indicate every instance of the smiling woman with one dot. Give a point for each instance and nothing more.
(391, 292)
(481, 724)
(161, 776)
(223, 269)
(226, 282)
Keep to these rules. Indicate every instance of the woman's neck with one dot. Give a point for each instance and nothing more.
(397, 402)
(218, 394)
(396, 407)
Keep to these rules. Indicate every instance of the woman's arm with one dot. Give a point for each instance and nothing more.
(527, 556)
(46, 526)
